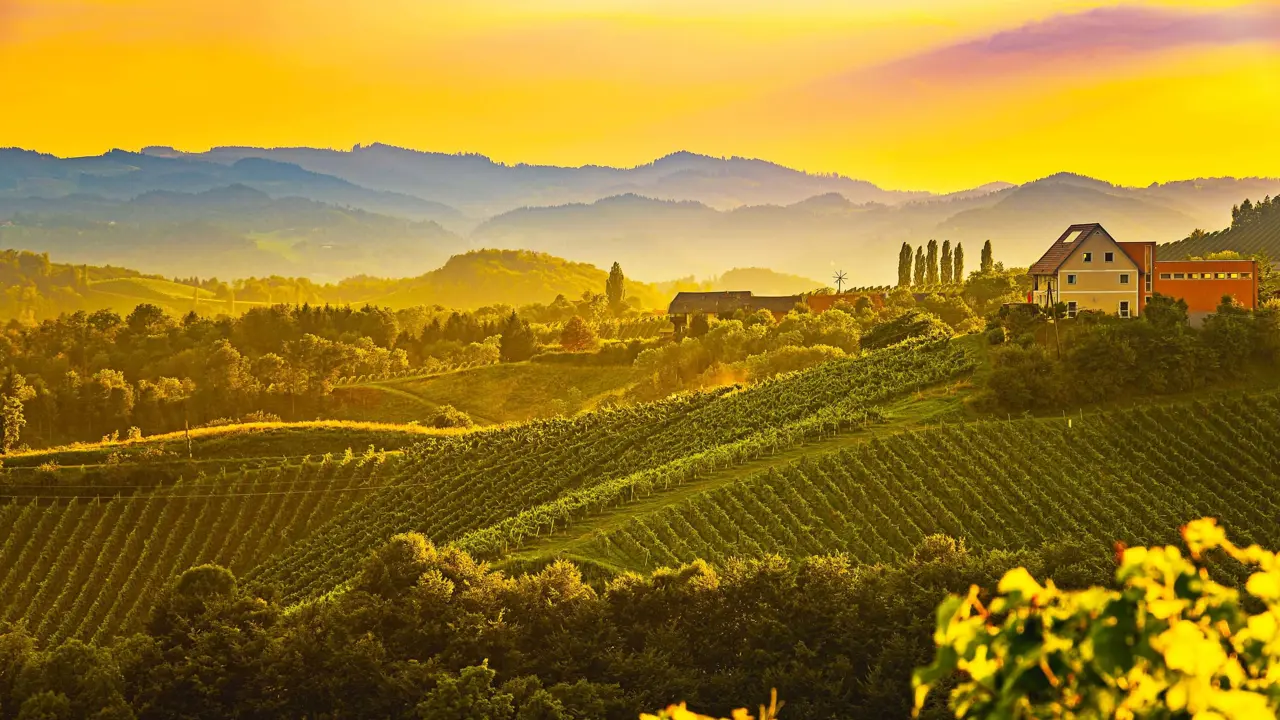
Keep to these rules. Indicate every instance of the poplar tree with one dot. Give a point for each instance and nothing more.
(919, 269)
(958, 275)
(988, 259)
(904, 265)
(945, 271)
(615, 288)
(931, 269)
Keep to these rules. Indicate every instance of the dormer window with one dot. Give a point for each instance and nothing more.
(1109, 257)
(1088, 257)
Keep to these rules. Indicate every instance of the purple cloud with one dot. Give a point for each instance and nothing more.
(1095, 34)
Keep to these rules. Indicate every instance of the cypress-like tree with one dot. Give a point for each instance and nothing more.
(944, 271)
(931, 269)
(615, 288)
(518, 341)
(958, 274)
(988, 259)
(919, 269)
(904, 265)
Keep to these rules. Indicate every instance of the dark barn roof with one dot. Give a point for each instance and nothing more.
(1061, 250)
(728, 302)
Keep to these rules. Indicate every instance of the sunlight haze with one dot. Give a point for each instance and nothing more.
(923, 94)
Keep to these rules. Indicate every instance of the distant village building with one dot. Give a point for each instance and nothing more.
(687, 304)
(1088, 269)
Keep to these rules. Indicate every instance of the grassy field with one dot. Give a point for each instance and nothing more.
(123, 294)
(510, 392)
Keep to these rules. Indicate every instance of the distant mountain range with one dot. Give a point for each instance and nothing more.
(393, 212)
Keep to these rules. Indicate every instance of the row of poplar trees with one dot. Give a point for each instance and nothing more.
(927, 269)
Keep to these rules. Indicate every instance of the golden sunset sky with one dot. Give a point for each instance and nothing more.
(918, 94)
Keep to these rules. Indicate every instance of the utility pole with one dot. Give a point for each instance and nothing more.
(1054, 305)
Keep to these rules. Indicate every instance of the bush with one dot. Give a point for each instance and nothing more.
(447, 416)
(1170, 642)
(911, 324)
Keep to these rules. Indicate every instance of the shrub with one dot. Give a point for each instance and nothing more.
(447, 416)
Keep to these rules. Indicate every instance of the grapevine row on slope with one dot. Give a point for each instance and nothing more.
(1134, 475)
(479, 480)
(89, 567)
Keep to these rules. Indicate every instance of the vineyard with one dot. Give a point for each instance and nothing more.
(1134, 475)
(82, 554)
(87, 567)
(1261, 236)
(578, 465)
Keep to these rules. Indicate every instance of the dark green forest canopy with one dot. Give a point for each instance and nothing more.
(428, 632)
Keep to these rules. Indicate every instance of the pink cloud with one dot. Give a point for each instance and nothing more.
(1099, 35)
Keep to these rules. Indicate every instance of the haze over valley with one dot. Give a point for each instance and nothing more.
(384, 211)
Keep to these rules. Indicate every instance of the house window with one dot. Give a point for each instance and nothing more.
(1071, 279)
(1088, 257)
(1109, 257)
(1179, 276)
(1220, 276)
(1166, 276)
(1124, 279)
(1233, 276)
(1071, 309)
(1124, 308)
(1245, 276)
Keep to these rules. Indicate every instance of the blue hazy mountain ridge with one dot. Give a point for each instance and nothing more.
(482, 187)
(331, 213)
(124, 175)
(232, 231)
(821, 234)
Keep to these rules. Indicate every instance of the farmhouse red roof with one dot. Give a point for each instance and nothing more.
(1058, 252)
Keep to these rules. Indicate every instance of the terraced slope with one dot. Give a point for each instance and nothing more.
(1134, 475)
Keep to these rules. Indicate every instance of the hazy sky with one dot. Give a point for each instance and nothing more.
(930, 94)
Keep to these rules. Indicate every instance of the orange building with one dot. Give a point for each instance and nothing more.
(1089, 270)
(1202, 283)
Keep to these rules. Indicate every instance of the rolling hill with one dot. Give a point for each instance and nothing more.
(859, 456)
(303, 523)
(230, 231)
(490, 395)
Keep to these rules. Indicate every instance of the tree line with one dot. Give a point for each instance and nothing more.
(926, 267)
(427, 632)
(1098, 357)
(82, 376)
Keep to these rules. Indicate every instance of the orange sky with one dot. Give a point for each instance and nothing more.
(930, 94)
